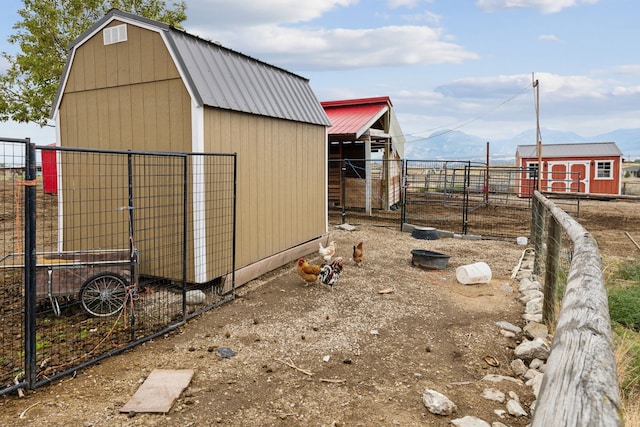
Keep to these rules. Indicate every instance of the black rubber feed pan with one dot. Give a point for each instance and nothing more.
(429, 259)
(425, 233)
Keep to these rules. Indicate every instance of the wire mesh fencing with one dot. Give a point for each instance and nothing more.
(436, 194)
(105, 249)
(457, 196)
(365, 191)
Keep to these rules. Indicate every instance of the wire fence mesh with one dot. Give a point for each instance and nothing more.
(104, 249)
(456, 196)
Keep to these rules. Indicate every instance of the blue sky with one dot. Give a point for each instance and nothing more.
(444, 63)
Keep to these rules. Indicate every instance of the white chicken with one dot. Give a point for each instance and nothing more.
(327, 252)
(329, 273)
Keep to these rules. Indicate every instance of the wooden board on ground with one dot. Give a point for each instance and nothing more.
(159, 391)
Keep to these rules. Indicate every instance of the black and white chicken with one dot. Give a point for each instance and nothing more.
(329, 273)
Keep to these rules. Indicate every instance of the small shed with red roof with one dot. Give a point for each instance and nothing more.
(366, 133)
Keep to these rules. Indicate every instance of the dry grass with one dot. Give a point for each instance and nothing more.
(628, 375)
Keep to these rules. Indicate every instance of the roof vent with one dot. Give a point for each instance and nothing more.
(115, 34)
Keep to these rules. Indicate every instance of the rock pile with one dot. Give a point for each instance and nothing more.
(529, 361)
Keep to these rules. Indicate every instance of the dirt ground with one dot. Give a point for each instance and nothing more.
(347, 356)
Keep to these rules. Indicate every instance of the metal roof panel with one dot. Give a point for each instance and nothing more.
(353, 119)
(578, 149)
(220, 77)
(230, 80)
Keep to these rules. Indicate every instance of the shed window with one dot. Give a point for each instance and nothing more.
(532, 170)
(604, 169)
(115, 34)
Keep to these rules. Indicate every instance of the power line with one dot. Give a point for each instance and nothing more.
(465, 123)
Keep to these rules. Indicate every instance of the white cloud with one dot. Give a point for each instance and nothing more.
(316, 49)
(545, 6)
(627, 69)
(625, 91)
(548, 37)
(234, 14)
(393, 4)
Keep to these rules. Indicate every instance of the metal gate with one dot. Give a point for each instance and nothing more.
(98, 252)
(457, 196)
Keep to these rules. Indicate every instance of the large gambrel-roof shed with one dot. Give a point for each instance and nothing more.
(359, 128)
(585, 167)
(134, 83)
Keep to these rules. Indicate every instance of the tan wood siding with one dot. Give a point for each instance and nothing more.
(152, 116)
(142, 58)
(113, 100)
(280, 180)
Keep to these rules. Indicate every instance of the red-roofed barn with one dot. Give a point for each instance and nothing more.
(362, 129)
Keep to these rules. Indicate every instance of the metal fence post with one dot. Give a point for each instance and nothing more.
(465, 196)
(30, 295)
(403, 193)
(551, 273)
(343, 173)
(537, 230)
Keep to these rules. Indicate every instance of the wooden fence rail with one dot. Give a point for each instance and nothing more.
(580, 385)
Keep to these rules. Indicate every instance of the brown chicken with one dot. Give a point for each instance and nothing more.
(308, 272)
(358, 254)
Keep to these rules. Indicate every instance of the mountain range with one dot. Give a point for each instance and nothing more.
(457, 145)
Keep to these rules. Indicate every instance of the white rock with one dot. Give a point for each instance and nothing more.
(536, 364)
(493, 394)
(326, 358)
(531, 294)
(470, 421)
(515, 409)
(536, 349)
(534, 306)
(536, 330)
(498, 424)
(527, 285)
(507, 334)
(532, 317)
(437, 403)
(509, 327)
(535, 383)
(514, 396)
(532, 373)
(518, 367)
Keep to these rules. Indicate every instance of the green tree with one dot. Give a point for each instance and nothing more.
(46, 28)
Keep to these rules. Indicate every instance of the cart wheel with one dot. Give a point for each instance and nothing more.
(104, 294)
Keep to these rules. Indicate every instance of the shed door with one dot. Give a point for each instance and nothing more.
(557, 174)
(568, 177)
(580, 177)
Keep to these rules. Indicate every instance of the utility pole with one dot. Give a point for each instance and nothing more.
(536, 94)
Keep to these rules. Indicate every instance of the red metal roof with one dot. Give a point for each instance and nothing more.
(354, 116)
